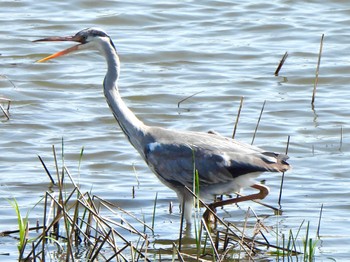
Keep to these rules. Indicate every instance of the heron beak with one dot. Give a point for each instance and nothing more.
(63, 52)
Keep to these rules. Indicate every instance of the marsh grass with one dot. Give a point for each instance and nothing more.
(299, 245)
(23, 226)
(78, 225)
(253, 240)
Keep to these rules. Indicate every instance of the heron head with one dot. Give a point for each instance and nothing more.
(87, 38)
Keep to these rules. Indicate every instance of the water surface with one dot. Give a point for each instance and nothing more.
(169, 51)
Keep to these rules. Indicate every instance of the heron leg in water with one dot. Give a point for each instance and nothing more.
(263, 192)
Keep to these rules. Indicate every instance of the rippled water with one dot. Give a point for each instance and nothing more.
(169, 51)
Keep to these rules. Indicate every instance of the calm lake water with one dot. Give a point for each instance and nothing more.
(169, 51)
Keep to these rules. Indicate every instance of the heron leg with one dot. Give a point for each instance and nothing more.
(263, 192)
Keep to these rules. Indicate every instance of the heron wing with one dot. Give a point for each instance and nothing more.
(216, 159)
(177, 164)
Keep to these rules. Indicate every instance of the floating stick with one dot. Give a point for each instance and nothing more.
(317, 70)
(281, 63)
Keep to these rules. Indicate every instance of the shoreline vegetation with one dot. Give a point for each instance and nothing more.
(80, 226)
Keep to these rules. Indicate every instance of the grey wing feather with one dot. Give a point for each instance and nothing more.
(172, 163)
(219, 161)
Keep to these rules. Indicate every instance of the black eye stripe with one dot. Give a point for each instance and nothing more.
(92, 32)
(84, 34)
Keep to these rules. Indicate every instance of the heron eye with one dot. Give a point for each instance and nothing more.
(83, 38)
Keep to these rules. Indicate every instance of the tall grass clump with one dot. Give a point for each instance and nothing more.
(23, 226)
(297, 244)
(79, 225)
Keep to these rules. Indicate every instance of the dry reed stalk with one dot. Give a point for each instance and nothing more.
(220, 221)
(82, 223)
(237, 118)
(182, 223)
(282, 178)
(284, 58)
(257, 124)
(179, 255)
(108, 205)
(319, 223)
(188, 97)
(8, 79)
(317, 71)
(5, 112)
(46, 170)
(214, 246)
(269, 245)
(244, 240)
(341, 138)
(9, 232)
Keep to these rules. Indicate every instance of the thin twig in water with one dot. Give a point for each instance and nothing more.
(210, 238)
(4, 76)
(136, 176)
(341, 138)
(319, 223)
(257, 124)
(4, 111)
(171, 207)
(179, 256)
(7, 110)
(154, 210)
(182, 222)
(237, 119)
(260, 203)
(287, 147)
(178, 104)
(317, 71)
(282, 179)
(9, 232)
(47, 171)
(281, 63)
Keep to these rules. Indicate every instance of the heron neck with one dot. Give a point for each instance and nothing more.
(132, 127)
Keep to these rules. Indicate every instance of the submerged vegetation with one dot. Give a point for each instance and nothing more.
(80, 226)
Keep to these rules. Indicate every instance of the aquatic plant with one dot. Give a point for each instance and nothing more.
(81, 224)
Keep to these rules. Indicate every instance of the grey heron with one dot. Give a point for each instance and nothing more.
(224, 165)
